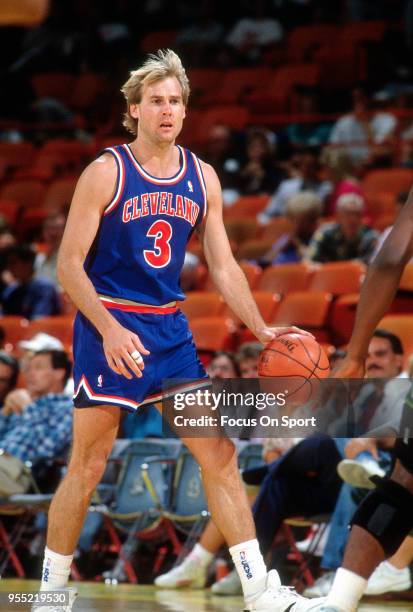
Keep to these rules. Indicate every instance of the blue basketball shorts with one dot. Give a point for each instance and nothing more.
(173, 355)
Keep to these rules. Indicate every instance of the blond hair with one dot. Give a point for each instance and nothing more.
(304, 202)
(160, 65)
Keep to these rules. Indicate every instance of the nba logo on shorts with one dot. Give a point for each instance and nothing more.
(100, 380)
(190, 186)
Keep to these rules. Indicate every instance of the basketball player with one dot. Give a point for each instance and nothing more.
(385, 517)
(132, 214)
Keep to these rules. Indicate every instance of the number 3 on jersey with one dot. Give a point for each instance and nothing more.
(161, 255)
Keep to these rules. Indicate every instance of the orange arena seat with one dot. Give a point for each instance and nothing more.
(267, 303)
(61, 327)
(238, 82)
(235, 117)
(213, 333)
(303, 40)
(87, 88)
(16, 155)
(342, 317)
(241, 229)
(60, 193)
(25, 193)
(57, 85)
(246, 206)
(203, 80)
(307, 309)
(275, 228)
(275, 95)
(338, 278)
(253, 249)
(388, 180)
(201, 304)
(9, 210)
(15, 329)
(286, 278)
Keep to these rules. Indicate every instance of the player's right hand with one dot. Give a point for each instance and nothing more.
(349, 368)
(119, 344)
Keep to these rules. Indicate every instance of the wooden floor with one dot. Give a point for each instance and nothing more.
(94, 597)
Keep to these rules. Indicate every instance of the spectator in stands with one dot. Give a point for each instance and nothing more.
(45, 262)
(27, 296)
(365, 134)
(340, 171)
(247, 359)
(305, 178)
(200, 40)
(304, 211)
(259, 174)
(307, 132)
(347, 238)
(223, 365)
(44, 428)
(250, 36)
(221, 153)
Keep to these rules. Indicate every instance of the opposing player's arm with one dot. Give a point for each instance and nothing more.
(93, 192)
(379, 289)
(225, 271)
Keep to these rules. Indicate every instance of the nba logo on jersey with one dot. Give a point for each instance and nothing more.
(100, 380)
(190, 187)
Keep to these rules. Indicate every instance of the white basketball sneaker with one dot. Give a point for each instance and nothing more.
(277, 598)
(228, 585)
(56, 607)
(388, 579)
(189, 574)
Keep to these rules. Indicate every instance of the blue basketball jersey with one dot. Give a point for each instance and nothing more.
(139, 250)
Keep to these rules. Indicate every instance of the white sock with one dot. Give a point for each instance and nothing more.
(347, 590)
(56, 570)
(200, 555)
(250, 566)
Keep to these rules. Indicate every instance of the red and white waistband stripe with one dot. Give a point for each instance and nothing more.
(139, 308)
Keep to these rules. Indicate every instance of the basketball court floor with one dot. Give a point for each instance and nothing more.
(94, 597)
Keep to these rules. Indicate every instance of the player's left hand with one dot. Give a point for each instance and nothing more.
(267, 334)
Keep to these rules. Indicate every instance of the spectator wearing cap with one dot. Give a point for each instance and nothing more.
(27, 296)
(18, 399)
(44, 428)
(347, 238)
(306, 178)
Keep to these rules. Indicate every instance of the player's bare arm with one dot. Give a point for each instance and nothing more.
(225, 271)
(379, 289)
(94, 190)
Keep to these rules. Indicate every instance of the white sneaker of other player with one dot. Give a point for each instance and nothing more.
(228, 585)
(189, 574)
(321, 587)
(358, 472)
(277, 598)
(72, 592)
(387, 579)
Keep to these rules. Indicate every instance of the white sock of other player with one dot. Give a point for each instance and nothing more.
(200, 555)
(56, 570)
(250, 566)
(347, 590)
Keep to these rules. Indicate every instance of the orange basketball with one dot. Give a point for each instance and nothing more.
(294, 355)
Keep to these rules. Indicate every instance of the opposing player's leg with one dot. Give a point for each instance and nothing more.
(231, 513)
(383, 520)
(94, 432)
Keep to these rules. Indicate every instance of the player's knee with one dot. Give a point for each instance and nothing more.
(220, 456)
(89, 471)
(386, 514)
